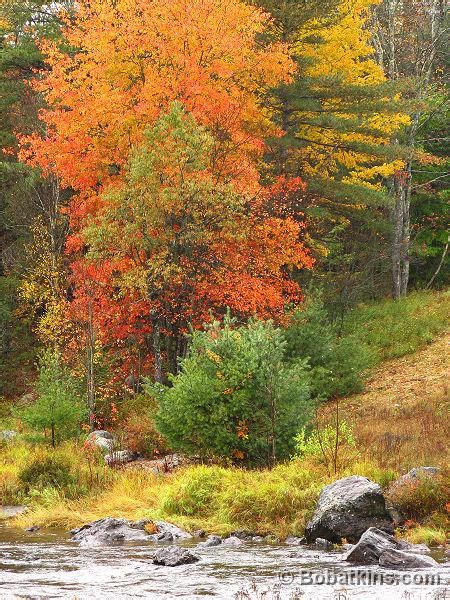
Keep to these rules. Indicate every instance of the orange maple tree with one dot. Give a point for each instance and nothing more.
(120, 67)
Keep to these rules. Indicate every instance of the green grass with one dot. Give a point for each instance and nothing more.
(394, 328)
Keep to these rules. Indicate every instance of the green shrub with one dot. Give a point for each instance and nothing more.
(45, 472)
(326, 444)
(235, 398)
(338, 363)
(419, 498)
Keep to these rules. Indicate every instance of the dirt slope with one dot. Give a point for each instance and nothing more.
(402, 418)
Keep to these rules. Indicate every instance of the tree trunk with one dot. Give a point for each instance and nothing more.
(53, 434)
(398, 214)
(157, 351)
(90, 375)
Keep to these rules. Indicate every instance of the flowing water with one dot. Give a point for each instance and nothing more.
(46, 564)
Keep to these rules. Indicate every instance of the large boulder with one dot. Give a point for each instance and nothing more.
(375, 544)
(113, 531)
(173, 556)
(396, 559)
(346, 509)
(108, 531)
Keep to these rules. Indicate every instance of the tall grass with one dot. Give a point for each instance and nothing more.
(394, 328)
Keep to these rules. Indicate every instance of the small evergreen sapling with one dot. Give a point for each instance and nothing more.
(58, 407)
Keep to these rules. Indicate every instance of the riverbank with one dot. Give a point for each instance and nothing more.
(397, 423)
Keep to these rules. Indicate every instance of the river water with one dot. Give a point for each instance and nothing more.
(46, 564)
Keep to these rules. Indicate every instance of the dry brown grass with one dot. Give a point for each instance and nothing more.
(402, 418)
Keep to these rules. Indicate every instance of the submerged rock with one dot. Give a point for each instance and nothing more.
(323, 544)
(173, 556)
(232, 541)
(346, 509)
(212, 540)
(396, 559)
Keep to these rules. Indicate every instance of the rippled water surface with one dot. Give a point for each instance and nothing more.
(48, 565)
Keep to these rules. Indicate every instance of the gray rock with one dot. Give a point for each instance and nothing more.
(414, 548)
(32, 528)
(167, 532)
(322, 544)
(243, 534)
(370, 547)
(232, 541)
(100, 433)
(295, 541)
(8, 512)
(396, 559)
(199, 533)
(374, 542)
(7, 435)
(108, 531)
(140, 524)
(346, 509)
(414, 475)
(102, 439)
(120, 457)
(212, 540)
(257, 538)
(173, 556)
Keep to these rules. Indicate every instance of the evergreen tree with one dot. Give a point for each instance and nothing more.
(339, 117)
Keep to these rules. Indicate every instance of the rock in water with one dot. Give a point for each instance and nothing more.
(111, 531)
(375, 543)
(213, 540)
(173, 556)
(346, 509)
(167, 532)
(108, 531)
(322, 544)
(370, 547)
(396, 559)
(232, 541)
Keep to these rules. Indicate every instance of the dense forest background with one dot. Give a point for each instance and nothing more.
(161, 167)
